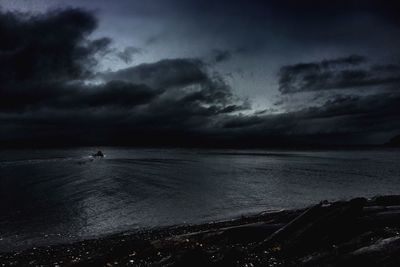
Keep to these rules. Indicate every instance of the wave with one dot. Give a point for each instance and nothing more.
(281, 155)
(151, 160)
(14, 162)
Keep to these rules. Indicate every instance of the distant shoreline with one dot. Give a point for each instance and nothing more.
(10, 146)
(341, 233)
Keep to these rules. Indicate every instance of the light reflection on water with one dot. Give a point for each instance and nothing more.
(61, 195)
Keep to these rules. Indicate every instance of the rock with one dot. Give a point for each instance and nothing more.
(384, 252)
(255, 232)
(297, 224)
(317, 227)
(231, 257)
(395, 141)
(390, 200)
(194, 257)
(387, 218)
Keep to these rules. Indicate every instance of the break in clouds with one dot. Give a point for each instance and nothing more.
(52, 92)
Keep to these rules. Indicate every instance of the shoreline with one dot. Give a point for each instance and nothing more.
(358, 231)
(67, 239)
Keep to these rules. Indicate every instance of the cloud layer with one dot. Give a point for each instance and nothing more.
(52, 93)
(53, 46)
(339, 73)
(48, 87)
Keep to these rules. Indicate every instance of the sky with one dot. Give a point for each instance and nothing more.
(204, 73)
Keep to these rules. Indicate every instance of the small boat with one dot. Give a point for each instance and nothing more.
(99, 154)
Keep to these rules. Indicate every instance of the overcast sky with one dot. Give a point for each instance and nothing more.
(229, 71)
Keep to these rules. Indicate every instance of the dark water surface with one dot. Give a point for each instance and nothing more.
(49, 196)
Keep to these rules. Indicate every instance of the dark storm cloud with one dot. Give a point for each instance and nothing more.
(305, 10)
(216, 56)
(340, 120)
(188, 89)
(169, 89)
(243, 121)
(51, 46)
(308, 7)
(41, 55)
(48, 61)
(52, 93)
(352, 118)
(163, 74)
(129, 53)
(340, 73)
(33, 96)
(221, 55)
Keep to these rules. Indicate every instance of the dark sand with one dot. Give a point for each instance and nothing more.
(358, 232)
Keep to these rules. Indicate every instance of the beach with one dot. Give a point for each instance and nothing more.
(356, 232)
(199, 133)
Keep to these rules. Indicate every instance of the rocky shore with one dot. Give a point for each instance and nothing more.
(358, 232)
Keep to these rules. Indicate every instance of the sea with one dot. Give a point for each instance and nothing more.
(50, 196)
